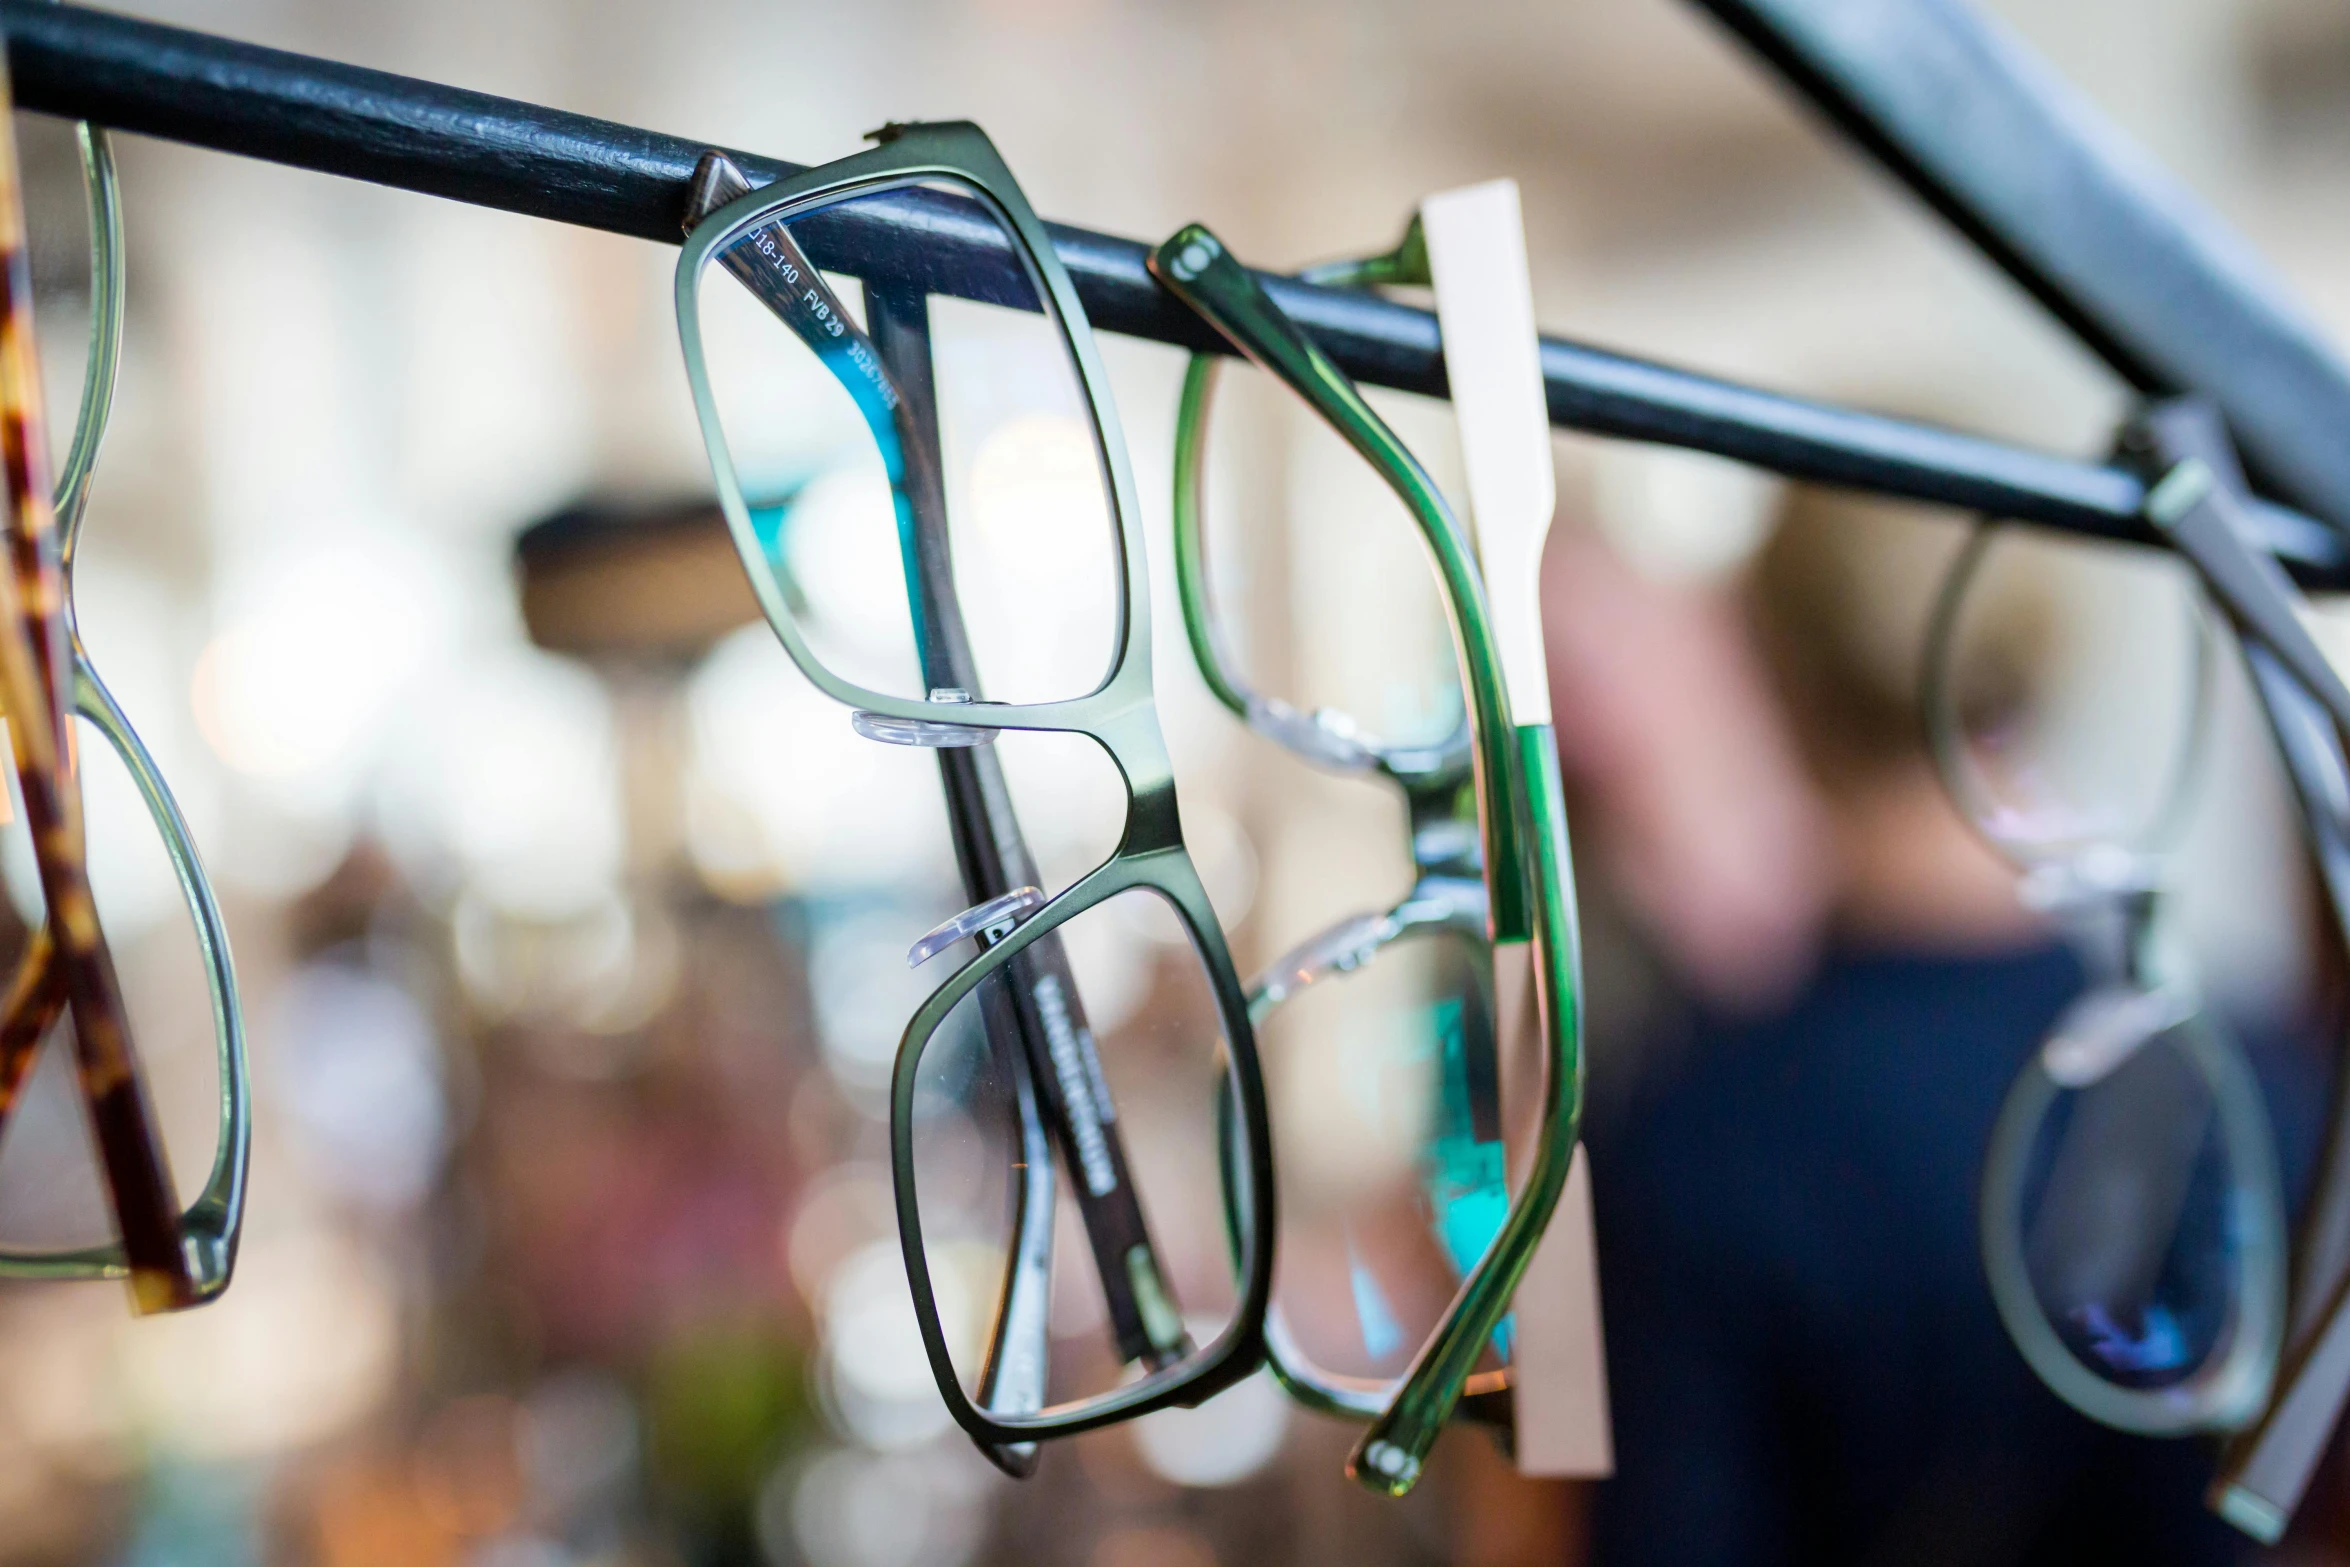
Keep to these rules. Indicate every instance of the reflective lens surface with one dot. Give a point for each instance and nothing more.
(1318, 585)
(876, 473)
(1111, 1067)
(2142, 1205)
(2066, 698)
(53, 1194)
(1387, 1115)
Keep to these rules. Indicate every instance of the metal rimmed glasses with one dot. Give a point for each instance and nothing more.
(963, 561)
(172, 1258)
(2132, 1222)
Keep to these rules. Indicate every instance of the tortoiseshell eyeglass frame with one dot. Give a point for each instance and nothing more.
(172, 1259)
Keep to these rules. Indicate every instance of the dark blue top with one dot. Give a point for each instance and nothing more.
(1805, 1364)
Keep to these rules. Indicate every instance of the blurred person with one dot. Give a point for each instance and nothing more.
(1805, 1363)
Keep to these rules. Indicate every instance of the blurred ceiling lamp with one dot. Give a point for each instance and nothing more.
(612, 578)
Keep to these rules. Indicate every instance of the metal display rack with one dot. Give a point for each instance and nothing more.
(287, 108)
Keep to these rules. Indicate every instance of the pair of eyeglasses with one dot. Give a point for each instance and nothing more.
(1376, 1249)
(2131, 1212)
(2197, 498)
(959, 563)
(172, 1258)
(1496, 893)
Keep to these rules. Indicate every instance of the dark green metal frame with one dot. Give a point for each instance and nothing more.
(1120, 716)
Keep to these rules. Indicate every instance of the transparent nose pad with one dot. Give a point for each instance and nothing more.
(1344, 947)
(1325, 736)
(997, 918)
(934, 733)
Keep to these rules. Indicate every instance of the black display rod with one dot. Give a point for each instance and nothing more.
(232, 97)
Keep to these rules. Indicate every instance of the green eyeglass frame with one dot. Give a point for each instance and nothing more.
(1119, 715)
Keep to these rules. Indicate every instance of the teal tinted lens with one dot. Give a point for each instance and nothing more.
(847, 459)
(1387, 1114)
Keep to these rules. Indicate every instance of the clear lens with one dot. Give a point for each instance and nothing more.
(2065, 699)
(872, 493)
(1387, 1114)
(2133, 1216)
(1318, 585)
(52, 1193)
(1140, 1273)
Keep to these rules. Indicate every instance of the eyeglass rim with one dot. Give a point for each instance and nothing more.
(1439, 762)
(1343, 1394)
(2228, 1391)
(1239, 1349)
(1963, 780)
(956, 151)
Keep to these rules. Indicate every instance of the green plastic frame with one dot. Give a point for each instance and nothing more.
(1522, 817)
(1436, 780)
(1120, 715)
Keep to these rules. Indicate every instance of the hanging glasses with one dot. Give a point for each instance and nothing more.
(53, 1202)
(958, 561)
(2132, 1222)
(1369, 1321)
(1381, 1027)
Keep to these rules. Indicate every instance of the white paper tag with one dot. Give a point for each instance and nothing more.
(1493, 358)
(1558, 1354)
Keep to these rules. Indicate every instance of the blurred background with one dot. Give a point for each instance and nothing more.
(570, 919)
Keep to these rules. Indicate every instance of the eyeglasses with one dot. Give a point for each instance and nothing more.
(961, 561)
(2132, 1220)
(172, 1258)
(2197, 500)
(1402, 997)
(1513, 773)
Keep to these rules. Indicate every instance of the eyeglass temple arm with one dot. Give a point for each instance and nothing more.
(2264, 1471)
(1477, 258)
(2198, 503)
(1195, 267)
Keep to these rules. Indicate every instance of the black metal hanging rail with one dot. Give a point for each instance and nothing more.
(1943, 97)
(286, 108)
